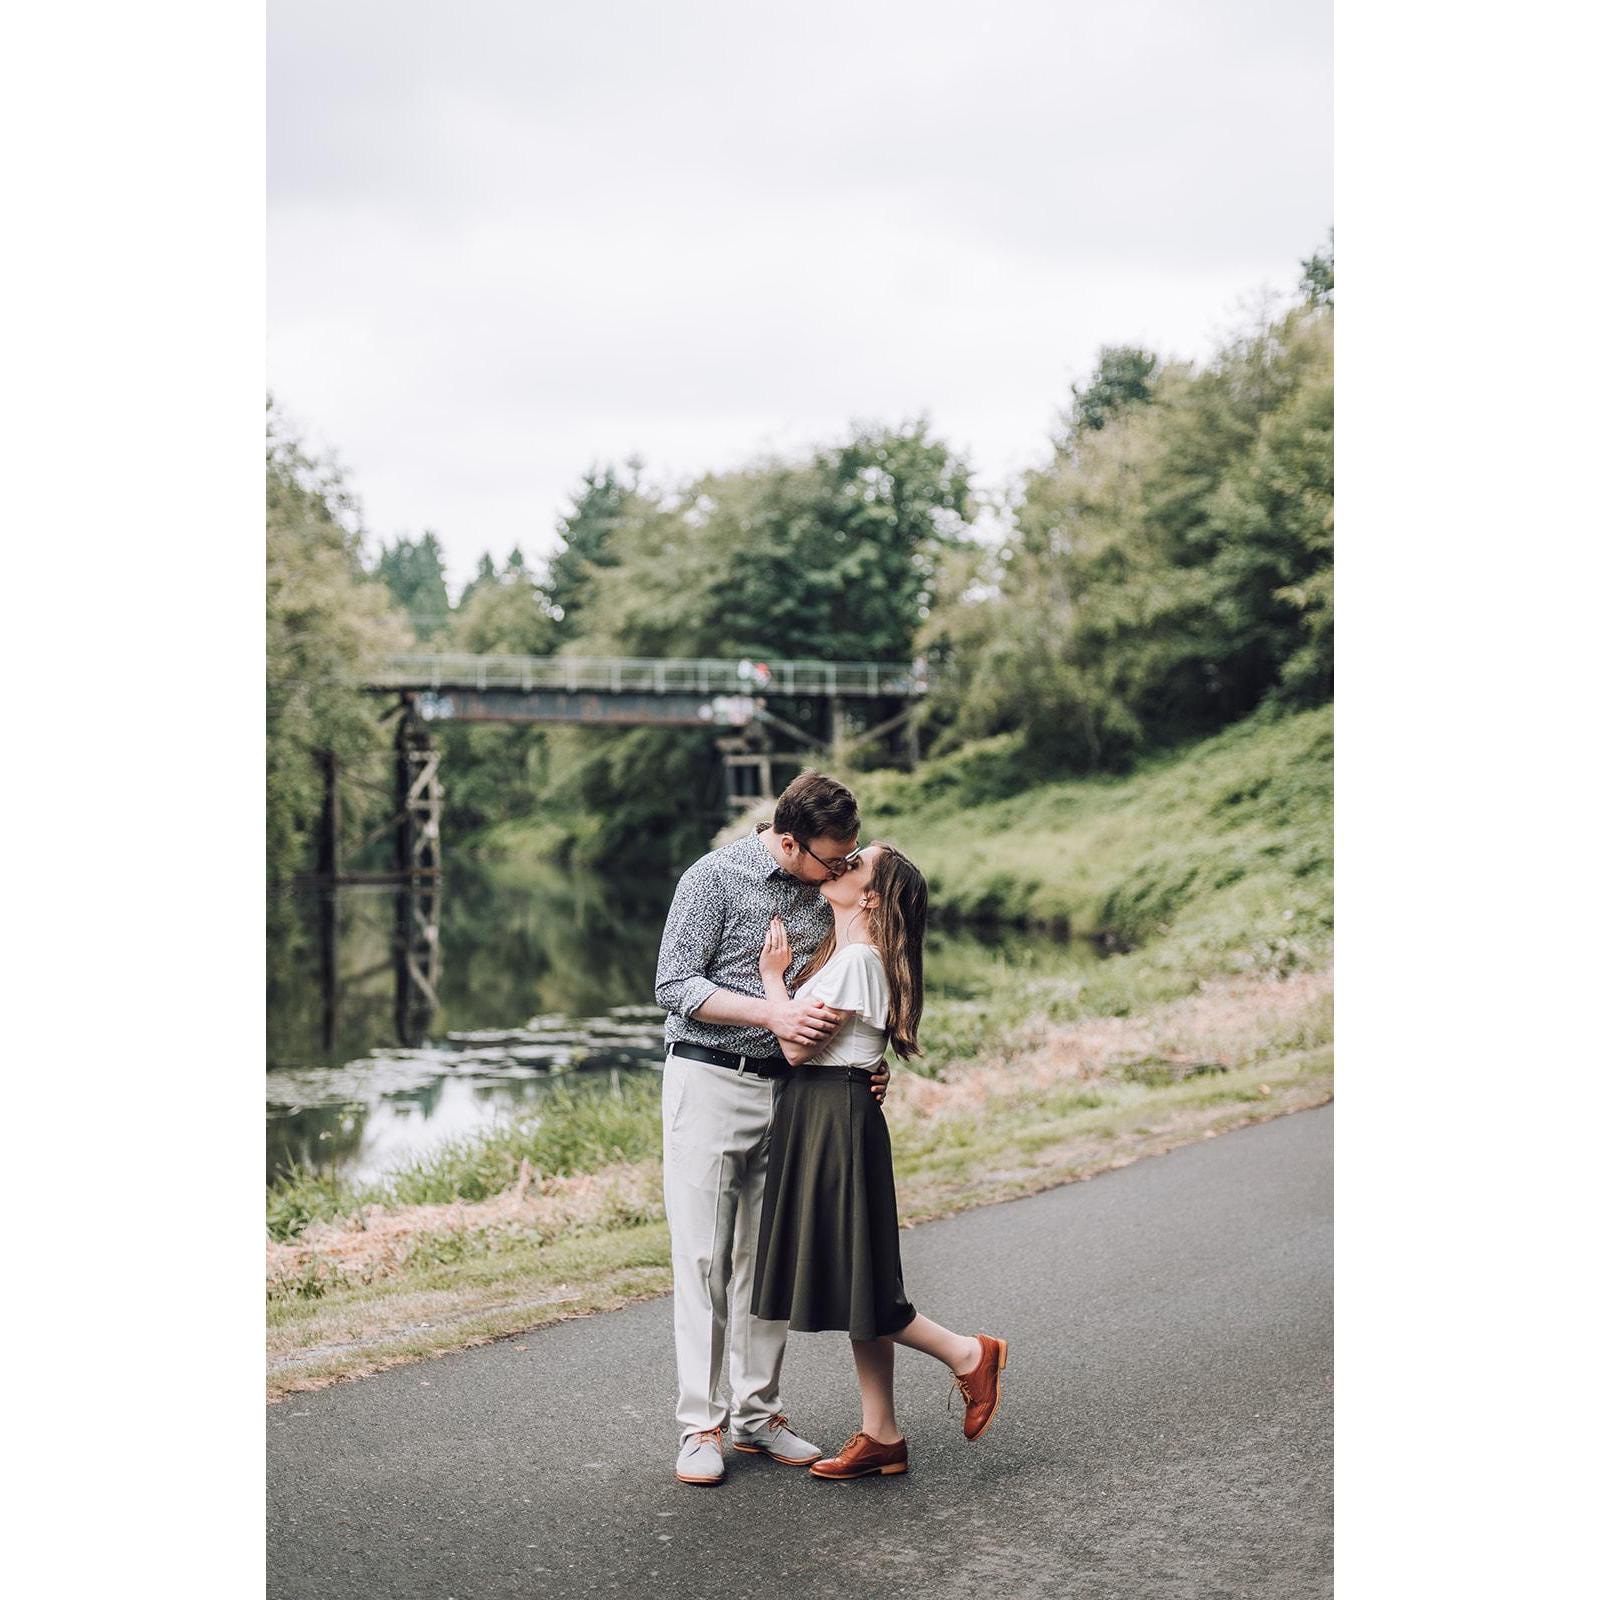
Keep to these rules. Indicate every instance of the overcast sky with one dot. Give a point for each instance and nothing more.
(510, 238)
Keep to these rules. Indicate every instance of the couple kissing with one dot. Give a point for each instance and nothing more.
(790, 963)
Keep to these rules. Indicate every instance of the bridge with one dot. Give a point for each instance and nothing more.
(635, 691)
(857, 703)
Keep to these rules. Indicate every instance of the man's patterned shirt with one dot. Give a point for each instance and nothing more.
(714, 935)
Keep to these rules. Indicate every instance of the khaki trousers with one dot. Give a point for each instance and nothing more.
(715, 1130)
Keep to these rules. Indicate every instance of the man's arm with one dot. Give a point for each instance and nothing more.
(727, 1006)
(795, 1022)
(689, 942)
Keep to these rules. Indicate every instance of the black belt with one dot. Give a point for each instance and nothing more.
(837, 1074)
(761, 1066)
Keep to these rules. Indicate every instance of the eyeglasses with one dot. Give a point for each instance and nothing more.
(839, 865)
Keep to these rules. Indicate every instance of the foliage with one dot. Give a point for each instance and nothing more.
(831, 557)
(1121, 380)
(495, 769)
(1211, 859)
(485, 575)
(302, 1196)
(326, 619)
(413, 571)
(603, 502)
(1167, 573)
(1164, 574)
(1316, 276)
(577, 1130)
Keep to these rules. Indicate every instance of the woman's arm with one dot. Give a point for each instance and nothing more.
(772, 964)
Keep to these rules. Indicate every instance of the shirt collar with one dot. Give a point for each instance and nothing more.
(753, 858)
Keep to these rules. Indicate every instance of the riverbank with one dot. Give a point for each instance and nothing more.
(1209, 872)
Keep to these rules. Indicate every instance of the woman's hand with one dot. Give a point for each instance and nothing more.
(775, 953)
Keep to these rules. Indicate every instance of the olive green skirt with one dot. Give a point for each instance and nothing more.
(828, 1253)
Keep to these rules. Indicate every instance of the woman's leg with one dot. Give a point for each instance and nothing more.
(958, 1351)
(875, 1374)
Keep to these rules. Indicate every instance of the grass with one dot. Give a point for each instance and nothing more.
(577, 1130)
(1209, 861)
(1209, 873)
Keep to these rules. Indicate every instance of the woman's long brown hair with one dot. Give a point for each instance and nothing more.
(897, 925)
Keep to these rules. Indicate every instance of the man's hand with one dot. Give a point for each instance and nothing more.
(802, 1022)
(880, 1082)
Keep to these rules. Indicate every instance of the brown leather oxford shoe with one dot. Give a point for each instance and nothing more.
(980, 1388)
(861, 1457)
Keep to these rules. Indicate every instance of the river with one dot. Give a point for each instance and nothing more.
(540, 977)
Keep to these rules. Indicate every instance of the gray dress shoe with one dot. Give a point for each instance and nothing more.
(777, 1439)
(700, 1458)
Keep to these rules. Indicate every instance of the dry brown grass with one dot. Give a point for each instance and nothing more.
(1227, 1024)
(381, 1241)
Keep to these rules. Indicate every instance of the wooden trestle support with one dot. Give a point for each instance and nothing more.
(418, 805)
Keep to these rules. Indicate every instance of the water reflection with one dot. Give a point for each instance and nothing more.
(511, 943)
(537, 976)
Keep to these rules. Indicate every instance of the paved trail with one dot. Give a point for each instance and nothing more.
(1166, 1428)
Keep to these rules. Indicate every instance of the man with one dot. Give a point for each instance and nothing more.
(722, 1072)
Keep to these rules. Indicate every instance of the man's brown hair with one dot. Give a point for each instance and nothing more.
(816, 806)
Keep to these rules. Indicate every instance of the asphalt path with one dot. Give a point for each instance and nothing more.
(1166, 1427)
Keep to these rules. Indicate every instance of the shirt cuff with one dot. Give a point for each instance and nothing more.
(696, 991)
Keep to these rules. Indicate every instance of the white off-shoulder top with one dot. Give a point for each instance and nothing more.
(853, 980)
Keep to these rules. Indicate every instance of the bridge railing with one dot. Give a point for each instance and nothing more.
(653, 675)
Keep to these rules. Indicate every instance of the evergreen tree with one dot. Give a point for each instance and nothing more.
(1316, 276)
(1122, 378)
(413, 570)
(603, 501)
(484, 577)
(495, 768)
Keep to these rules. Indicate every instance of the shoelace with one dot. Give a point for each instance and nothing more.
(961, 1384)
(709, 1436)
(779, 1421)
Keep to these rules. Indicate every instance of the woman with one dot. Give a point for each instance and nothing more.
(828, 1254)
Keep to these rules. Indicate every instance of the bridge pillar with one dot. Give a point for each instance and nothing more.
(419, 801)
(418, 798)
(328, 830)
(747, 778)
(836, 731)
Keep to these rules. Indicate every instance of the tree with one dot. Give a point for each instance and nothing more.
(485, 575)
(495, 769)
(1122, 378)
(1173, 570)
(507, 615)
(1316, 276)
(602, 503)
(413, 571)
(327, 621)
(831, 556)
(1272, 571)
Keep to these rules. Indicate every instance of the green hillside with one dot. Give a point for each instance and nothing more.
(1214, 859)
